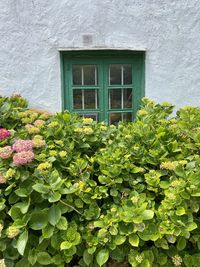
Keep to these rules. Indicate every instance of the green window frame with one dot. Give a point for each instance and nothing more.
(106, 85)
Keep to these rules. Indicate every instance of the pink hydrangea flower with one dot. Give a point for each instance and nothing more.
(22, 145)
(5, 152)
(22, 158)
(4, 133)
(39, 122)
(2, 181)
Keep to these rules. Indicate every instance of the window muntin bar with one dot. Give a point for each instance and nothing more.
(85, 99)
(84, 74)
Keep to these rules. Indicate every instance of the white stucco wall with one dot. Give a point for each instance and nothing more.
(33, 31)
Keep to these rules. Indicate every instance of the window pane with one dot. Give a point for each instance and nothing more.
(77, 99)
(90, 75)
(90, 99)
(94, 116)
(77, 74)
(115, 98)
(127, 98)
(115, 117)
(127, 74)
(127, 116)
(115, 74)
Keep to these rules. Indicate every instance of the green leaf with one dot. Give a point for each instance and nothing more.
(32, 256)
(181, 244)
(65, 245)
(44, 189)
(191, 226)
(119, 239)
(62, 224)
(91, 250)
(102, 256)
(38, 220)
(54, 215)
(147, 215)
(179, 171)
(54, 197)
(15, 213)
(47, 232)
(134, 240)
(87, 258)
(43, 258)
(180, 211)
(21, 242)
(162, 259)
(23, 206)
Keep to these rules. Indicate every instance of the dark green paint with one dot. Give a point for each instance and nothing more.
(102, 58)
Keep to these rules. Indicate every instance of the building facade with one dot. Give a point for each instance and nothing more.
(36, 37)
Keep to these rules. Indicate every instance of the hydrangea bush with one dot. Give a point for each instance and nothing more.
(79, 193)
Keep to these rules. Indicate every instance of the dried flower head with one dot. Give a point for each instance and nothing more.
(12, 232)
(52, 124)
(5, 152)
(2, 179)
(88, 130)
(38, 141)
(31, 129)
(39, 123)
(177, 260)
(87, 120)
(44, 166)
(2, 263)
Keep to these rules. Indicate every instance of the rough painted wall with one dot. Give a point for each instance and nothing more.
(31, 33)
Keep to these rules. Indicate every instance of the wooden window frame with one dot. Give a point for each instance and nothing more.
(102, 58)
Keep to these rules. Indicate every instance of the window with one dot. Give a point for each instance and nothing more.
(104, 85)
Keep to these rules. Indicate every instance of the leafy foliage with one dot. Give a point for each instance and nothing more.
(98, 195)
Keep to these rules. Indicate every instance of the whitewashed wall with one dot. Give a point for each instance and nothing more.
(33, 31)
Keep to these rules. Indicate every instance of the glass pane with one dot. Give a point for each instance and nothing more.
(127, 74)
(77, 99)
(90, 75)
(77, 74)
(94, 116)
(115, 117)
(127, 98)
(127, 116)
(115, 74)
(90, 99)
(115, 98)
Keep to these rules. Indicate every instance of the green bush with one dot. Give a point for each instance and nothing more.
(79, 193)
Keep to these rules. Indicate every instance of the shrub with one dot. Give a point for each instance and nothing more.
(79, 193)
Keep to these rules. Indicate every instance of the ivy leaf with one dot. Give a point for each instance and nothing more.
(54, 215)
(21, 242)
(102, 256)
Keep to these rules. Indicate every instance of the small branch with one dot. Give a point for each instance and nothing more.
(68, 205)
